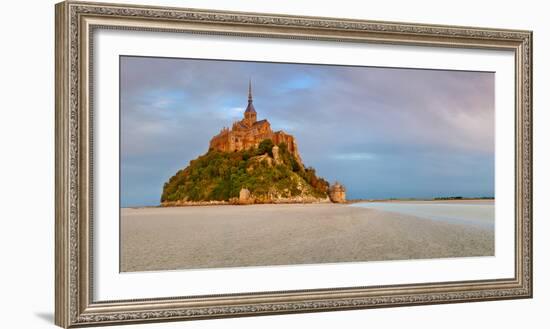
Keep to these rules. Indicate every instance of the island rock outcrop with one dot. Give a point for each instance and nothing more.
(248, 163)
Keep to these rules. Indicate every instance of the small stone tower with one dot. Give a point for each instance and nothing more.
(337, 193)
(250, 112)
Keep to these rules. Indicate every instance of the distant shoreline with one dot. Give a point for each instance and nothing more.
(226, 203)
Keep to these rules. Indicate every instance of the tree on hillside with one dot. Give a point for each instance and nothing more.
(266, 146)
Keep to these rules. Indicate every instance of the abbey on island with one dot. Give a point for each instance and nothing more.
(249, 163)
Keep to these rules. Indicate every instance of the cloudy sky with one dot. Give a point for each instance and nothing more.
(382, 132)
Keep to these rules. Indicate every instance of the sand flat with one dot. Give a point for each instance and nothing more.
(260, 235)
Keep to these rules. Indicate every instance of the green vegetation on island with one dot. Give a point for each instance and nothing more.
(269, 174)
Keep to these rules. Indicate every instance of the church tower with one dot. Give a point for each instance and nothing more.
(250, 112)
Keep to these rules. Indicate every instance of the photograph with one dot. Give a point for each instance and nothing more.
(227, 163)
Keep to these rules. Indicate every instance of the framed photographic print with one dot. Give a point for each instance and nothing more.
(216, 164)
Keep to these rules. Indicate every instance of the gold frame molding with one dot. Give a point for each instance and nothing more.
(75, 23)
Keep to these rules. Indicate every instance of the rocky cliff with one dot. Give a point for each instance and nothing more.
(265, 174)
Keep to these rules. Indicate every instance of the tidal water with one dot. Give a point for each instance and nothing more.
(480, 214)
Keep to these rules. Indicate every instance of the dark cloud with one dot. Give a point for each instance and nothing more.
(383, 132)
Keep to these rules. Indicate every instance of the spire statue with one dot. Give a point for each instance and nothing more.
(250, 90)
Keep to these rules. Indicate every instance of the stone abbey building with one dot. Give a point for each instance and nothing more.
(249, 132)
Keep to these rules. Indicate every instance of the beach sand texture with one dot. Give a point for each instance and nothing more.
(258, 235)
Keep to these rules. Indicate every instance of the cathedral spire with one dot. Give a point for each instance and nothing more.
(250, 90)
(250, 107)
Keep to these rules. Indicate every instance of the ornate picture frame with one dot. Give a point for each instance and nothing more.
(76, 23)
